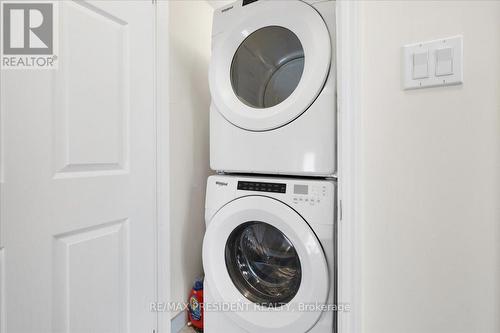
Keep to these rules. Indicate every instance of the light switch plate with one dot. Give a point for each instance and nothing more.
(445, 73)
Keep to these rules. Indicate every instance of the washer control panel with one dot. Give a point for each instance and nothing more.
(261, 187)
(309, 194)
(299, 193)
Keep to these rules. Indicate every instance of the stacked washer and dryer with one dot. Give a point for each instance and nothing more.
(269, 249)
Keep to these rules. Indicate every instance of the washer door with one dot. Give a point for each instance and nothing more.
(270, 66)
(263, 259)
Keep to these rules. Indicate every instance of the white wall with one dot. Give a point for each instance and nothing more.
(431, 170)
(190, 37)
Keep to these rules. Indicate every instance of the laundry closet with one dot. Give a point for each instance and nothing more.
(385, 197)
(270, 245)
(272, 111)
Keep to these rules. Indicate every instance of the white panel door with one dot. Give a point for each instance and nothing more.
(78, 200)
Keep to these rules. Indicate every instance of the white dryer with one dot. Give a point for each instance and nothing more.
(272, 82)
(268, 255)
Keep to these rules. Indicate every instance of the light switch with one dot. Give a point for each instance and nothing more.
(421, 65)
(444, 61)
(433, 63)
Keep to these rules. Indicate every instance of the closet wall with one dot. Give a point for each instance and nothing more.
(431, 174)
(190, 29)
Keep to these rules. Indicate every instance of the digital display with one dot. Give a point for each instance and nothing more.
(300, 189)
(262, 187)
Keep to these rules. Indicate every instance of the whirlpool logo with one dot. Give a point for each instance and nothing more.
(29, 35)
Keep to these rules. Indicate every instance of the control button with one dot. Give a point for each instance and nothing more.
(421, 65)
(444, 61)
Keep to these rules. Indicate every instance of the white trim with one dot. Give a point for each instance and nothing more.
(350, 134)
(163, 158)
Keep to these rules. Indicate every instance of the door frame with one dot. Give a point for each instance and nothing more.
(162, 112)
(349, 169)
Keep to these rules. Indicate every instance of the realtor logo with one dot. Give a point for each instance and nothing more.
(29, 35)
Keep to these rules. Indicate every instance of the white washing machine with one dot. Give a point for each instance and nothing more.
(272, 81)
(269, 255)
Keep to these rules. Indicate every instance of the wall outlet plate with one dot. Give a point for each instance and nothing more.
(445, 63)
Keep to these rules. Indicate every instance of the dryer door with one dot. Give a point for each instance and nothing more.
(262, 259)
(269, 66)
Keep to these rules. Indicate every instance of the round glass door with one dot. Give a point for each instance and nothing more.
(263, 264)
(260, 253)
(267, 67)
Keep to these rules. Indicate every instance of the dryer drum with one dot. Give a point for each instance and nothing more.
(267, 67)
(263, 264)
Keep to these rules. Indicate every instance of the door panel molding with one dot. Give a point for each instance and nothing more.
(89, 142)
(75, 262)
